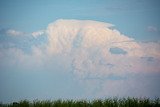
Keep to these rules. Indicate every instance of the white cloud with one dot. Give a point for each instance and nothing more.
(85, 46)
(64, 33)
(13, 32)
(89, 42)
(38, 33)
(16, 33)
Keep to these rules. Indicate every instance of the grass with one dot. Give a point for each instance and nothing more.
(110, 102)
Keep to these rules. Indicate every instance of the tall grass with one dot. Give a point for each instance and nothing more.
(110, 102)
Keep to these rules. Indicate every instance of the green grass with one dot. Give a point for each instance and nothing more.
(110, 102)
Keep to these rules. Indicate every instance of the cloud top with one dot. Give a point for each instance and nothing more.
(66, 34)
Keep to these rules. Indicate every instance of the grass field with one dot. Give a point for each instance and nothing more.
(111, 102)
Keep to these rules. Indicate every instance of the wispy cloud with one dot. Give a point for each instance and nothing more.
(152, 29)
(13, 32)
(38, 33)
(16, 33)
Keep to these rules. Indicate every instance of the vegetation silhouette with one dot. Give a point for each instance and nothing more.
(109, 102)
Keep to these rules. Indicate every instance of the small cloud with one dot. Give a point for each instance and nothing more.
(13, 32)
(152, 29)
(38, 33)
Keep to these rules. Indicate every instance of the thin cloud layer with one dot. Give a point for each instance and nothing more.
(85, 47)
(14, 32)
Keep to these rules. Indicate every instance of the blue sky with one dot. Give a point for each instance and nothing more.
(29, 69)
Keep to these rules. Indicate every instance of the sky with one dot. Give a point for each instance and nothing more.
(69, 49)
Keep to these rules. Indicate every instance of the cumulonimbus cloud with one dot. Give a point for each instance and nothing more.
(87, 46)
